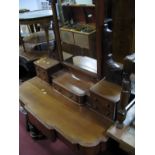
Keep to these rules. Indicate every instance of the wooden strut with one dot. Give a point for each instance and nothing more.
(56, 30)
(99, 7)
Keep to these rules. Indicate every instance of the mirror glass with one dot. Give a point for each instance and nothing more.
(78, 33)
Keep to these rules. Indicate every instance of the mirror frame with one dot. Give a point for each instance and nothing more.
(99, 10)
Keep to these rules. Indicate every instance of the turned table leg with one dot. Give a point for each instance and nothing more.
(46, 29)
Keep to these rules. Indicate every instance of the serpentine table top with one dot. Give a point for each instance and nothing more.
(78, 124)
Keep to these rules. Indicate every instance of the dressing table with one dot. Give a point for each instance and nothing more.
(70, 98)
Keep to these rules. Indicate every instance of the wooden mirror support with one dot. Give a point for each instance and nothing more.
(99, 5)
(56, 29)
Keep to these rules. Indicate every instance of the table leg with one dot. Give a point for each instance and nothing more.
(21, 39)
(46, 29)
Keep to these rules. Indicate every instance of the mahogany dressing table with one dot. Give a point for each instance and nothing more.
(70, 98)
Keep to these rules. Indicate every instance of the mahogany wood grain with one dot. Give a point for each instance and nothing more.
(99, 6)
(65, 116)
(105, 97)
(123, 29)
(48, 131)
(45, 67)
(72, 86)
(56, 31)
(79, 71)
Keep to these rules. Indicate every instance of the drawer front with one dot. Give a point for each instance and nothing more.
(67, 36)
(103, 106)
(41, 73)
(74, 97)
(82, 40)
(50, 133)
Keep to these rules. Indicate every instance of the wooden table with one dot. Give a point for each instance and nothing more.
(83, 129)
(42, 17)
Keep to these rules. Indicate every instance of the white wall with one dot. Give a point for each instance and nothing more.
(36, 4)
(29, 4)
(84, 1)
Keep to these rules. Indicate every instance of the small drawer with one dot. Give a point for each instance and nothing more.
(104, 103)
(103, 106)
(74, 97)
(41, 73)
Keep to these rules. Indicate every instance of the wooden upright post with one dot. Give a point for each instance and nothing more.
(56, 31)
(99, 37)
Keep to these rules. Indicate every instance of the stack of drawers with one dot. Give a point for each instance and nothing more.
(45, 67)
(105, 97)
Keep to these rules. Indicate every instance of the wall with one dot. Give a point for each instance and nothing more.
(29, 4)
(32, 4)
(84, 1)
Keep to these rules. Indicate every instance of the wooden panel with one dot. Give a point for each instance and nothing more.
(46, 66)
(47, 131)
(67, 36)
(103, 106)
(85, 40)
(46, 63)
(42, 73)
(85, 63)
(72, 86)
(123, 28)
(81, 40)
(99, 6)
(69, 119)
(107, 90)
(105, 97)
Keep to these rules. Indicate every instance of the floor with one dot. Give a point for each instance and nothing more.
(29, 146)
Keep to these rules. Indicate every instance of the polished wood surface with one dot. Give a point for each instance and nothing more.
(126, 135)
(45, 67)
(72, 86)
(99, 7)
(85, 63)
(46, 62)
(56, 31)
(108, 90)
(65, 116)
(105, 97)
